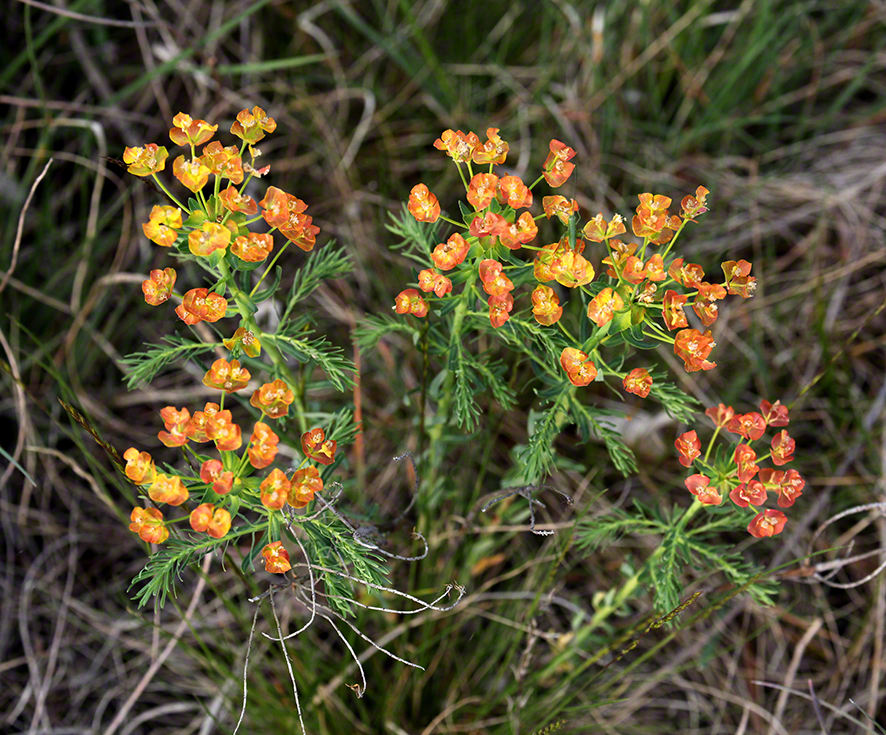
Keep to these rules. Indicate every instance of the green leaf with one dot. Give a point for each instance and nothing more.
(143, 366)
(321, 265)
(329, 357)
(270, 290)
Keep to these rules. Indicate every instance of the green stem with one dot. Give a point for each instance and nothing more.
(630, 586)
(271, 349)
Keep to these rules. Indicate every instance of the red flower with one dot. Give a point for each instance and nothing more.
(212, 472)
(274, 490)
(688, 447)
(721, 415)
(768, 523)
(744, 460)
(774, 414)
(748, 493)
(481, 190)
(603, 306)
(790, 487)
(698, 486)
(750, 425)
(693, 348)
(451, 253)
(276, 558)
(158, 289)
(545, 305)
(316, 446)
(638, 382)
(409, 301)
(423, 205)
(556, 168)
(305, 483)
(782, 448)
(500, 307)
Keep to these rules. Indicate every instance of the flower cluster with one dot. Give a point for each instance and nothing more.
(739, 475)
(216, 223)
(646, 286)
(216, 226)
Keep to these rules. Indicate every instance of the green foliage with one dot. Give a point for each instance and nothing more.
(143, 366)
(325, 263)
(374, 328)
(417, 239)
(330, 358)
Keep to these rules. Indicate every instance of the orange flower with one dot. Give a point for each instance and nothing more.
(500, 308)
(748, 493)
(254, 247)
(193, 304)
(782, 448)
(693, 348)
(652, 220)
(305, 483)
(597, 229)
(224, 162)
(190, 132)
(200, 420)
(274, 490)
(192, 174)
(451, 253)
(246, 339)
(750, 425)
(738, 280)
(252, 126)
(212, 472)
(276, 558)
(235, 202)
(150, 159)
(263, 446)
(672, 310)
(201, 516)
(768, 523)
(226, 376)
(603, 306)
(423, 205)
(409, 301)
(458, 146)
(655, 268)
(579, 369)
(689, 275)
(273, 399)
(688, 447)
(789, 486)
(546, 305)
(163, 225)
(745, 462)
(303, 236)
(209, 238)
(721, 415)
(774, 414)
(139, 466)
(168, 489)
(693, 206)
(220, 523)
(571, 269)
(520, 232)
(494, 150)
(638, 382)
(489, 225)
(426, 279)
(148, 524)
(559, 206)
(698, 486)
(276, 206)
(634, 270)
(556, 168)
(158, 288)
(178, 427)
(224, 432)
(513, 192)
(705, 305)
(481, 190)
(316, 446)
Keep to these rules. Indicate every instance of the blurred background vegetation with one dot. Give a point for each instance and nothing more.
(776, 106)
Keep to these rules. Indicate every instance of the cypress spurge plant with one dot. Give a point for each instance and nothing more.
(577, 328)
(230, 495)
